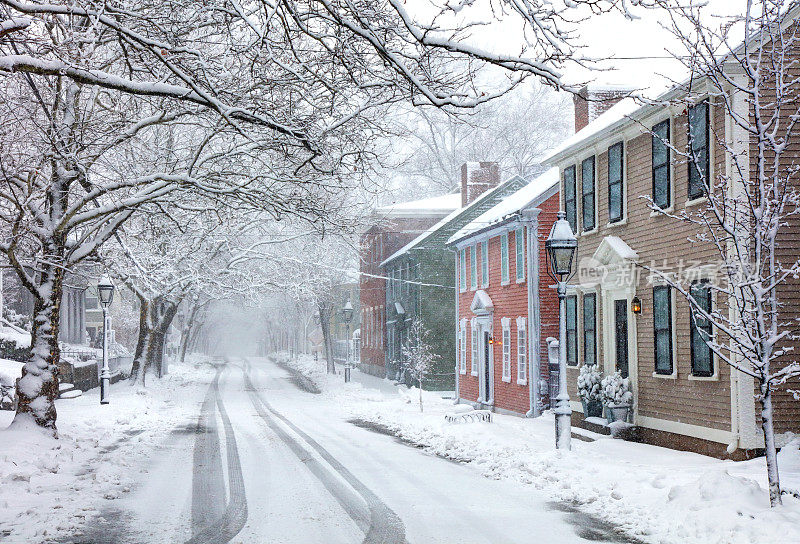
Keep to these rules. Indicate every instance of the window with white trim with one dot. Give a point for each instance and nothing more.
(699, 144)
(474, 358)
(473, 267)
(662, 329)
(522, 352)
(520, 252)
(616, 193)
(702, 357)
(462, 346)
(662, 195)
(587, 195)
(504, 258)
(462, 270)
(485, 263)
(570, 202)
(506, 324)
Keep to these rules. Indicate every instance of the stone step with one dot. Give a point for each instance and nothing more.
(63, 386)
(74, 393)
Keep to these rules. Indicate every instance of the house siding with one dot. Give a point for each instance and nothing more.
(510, 301)
(667, 244)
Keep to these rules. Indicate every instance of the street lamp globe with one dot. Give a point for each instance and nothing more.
(561, 245)
(105, 291)
(347, 312)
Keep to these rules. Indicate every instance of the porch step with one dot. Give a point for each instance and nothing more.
(596, 425)
(63, 386)
(74, 393)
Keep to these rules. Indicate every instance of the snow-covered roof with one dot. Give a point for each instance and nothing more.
(611, 118)
(649, 97)
(446, 220)
(437, 205)
(531, 195)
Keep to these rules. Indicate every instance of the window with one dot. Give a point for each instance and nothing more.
(504, 258)
(589, 329)
(661, 190)
(91, 302)
(462, 270)
(698, 149)
(473, 267)
(615, 191)
(474, 359)
(572, 330)
(519, 240)
(662, 329)
(587, 194)
(702, 361)
(462, 346)
(569, 198)
(506, 323)
(485, 263)
(522, 352)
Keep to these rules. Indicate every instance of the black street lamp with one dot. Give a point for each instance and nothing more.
(105, 292)
(561, 246)
(347, 317)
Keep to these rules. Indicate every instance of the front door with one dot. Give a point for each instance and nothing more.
(487, 381)
(621, 335)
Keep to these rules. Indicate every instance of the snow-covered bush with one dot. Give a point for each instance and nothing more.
(589, 383)
(616, 390)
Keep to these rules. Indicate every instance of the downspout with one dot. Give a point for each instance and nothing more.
(530, 220)
(458, 339)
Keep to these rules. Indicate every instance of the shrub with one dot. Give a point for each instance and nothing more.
(589, 383)
(616, 390)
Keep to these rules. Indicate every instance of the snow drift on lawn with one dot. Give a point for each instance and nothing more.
(654, 494)
(50, 488)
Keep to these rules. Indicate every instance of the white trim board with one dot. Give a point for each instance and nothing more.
(687, 429)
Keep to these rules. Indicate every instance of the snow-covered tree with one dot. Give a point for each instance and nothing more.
(515, 131)
(747, 65)
(298, 87)
(418, 355)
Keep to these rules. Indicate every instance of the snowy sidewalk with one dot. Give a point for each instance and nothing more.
(49, 488)
(654, 494)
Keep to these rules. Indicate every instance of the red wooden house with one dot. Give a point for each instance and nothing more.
(505, 301)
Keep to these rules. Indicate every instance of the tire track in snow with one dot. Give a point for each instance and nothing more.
(233, 519)
(380, 523)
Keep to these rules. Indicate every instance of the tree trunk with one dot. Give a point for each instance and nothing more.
(37, 389)
(420, 395)
(771, 455)
(155, 318)
(144, 339)
(324, 315)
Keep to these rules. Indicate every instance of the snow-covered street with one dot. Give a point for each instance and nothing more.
(241, 454)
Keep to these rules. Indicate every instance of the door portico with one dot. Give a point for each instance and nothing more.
(483, 308)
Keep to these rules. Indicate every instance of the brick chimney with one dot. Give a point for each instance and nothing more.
(592, 101)
(477, 178)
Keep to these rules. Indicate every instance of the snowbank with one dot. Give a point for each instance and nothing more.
(49, 488)
(10, 371)
(21, 339)
(653, 494)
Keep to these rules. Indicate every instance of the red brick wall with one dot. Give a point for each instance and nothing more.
(511, 301)
(548, 298)
(589, 104)
(476, 179)
(377, 244)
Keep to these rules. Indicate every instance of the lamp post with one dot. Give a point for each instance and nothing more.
(105, 292)
(561, 245)
(347, 317)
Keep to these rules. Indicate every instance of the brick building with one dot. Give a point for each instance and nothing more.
(394, 226)
(505, 301)
(422, 273)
